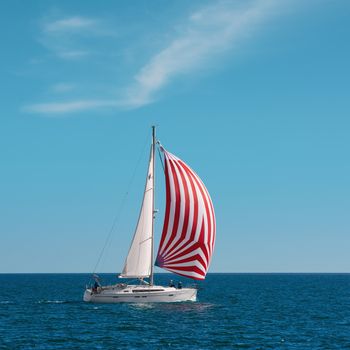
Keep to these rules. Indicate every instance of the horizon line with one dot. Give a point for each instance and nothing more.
(168, 273)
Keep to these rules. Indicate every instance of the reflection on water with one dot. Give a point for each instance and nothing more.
(141, 306)
(52, 301)
(185, 307)
(176, 307)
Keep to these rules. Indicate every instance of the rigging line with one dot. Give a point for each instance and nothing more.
(161, 159)
(120, 208)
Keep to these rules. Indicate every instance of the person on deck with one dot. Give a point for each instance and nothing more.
(96, 286)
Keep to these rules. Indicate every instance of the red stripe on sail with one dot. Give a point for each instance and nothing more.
(187, 203)
(204, 194)
(188, 250)
(189, 269)
(188, 275)
(200, 244)
(167, 207)
(212, 242)
(181, 240)
(195, 257)
(177, 206)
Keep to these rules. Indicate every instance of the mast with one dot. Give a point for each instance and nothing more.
(153, 210)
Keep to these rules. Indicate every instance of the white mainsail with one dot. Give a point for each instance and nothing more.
(138, 263)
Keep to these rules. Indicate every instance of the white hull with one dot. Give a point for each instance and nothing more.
(139, 294)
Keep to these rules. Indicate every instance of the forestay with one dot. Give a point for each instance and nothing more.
(188, 235)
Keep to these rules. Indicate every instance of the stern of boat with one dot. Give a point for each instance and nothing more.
(87, 295)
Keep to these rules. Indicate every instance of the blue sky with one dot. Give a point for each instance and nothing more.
(254, 95)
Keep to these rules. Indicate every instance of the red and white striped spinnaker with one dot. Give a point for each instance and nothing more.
(188, 236)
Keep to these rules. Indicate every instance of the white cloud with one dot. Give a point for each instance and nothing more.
(69, 24)
(73, 54)
(66, 37)
(68, 107)
(204, 35)
(207, 32)
(62, 87)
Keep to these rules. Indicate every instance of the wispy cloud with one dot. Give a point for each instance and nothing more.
(204, 35)
(69, 106)
(69, 24)
(62, 87)
(73, 54)
(207, 33)
(66, 37)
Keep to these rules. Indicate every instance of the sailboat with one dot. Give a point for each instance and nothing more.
(186, 244)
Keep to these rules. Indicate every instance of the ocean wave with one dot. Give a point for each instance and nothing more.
(52, 301)
(142, 305)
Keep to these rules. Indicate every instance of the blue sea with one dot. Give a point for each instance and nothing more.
(234, 311)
